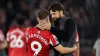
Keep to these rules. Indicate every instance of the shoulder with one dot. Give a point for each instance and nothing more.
(24, 29)
(48, 32)
(11, 29)
(31, 28)
(51, 35)
(21, 29)
(70, 20)
(98, 40)
(97, 43)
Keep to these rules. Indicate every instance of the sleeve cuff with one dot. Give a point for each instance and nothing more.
(56, 45)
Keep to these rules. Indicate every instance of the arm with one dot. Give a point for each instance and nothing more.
(65, 50)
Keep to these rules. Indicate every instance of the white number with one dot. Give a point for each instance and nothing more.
(16, 42)
(37, 50)
(13, 41)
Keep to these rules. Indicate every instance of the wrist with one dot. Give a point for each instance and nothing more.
(74, 49)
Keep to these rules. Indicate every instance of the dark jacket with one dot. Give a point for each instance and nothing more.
(65, 30)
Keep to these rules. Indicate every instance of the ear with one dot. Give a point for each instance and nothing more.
(49, 20)
(61, 13)
(38, 19)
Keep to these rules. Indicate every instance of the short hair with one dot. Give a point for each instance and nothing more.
(42, 14)
(20, 20)
(56, 7)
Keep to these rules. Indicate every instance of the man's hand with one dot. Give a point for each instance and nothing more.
(44, 25)
(75, 47)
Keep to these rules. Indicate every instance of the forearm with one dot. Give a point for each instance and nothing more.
(67, 50)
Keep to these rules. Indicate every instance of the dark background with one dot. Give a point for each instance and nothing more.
(84, 12)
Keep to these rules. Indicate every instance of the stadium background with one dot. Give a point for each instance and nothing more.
(84, 12)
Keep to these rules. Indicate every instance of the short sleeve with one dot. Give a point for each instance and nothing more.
(54, 41)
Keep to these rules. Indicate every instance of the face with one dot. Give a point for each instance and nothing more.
(55, 14)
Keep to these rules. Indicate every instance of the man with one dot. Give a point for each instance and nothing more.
(3, 44)
(63, 27)
(16, 39)
(39, 41)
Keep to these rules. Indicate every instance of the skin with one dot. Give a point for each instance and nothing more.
(3, 44)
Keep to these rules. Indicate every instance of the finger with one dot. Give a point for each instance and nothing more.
(41, 22)
(41, 27)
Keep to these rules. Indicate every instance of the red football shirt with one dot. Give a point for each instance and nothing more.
(16, 41)
(39, 41)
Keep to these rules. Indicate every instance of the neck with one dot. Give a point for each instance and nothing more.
(38, 27)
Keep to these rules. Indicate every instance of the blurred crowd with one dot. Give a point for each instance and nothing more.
(84, 12)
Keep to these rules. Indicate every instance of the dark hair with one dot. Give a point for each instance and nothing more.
(56, 7)
(42, 14)
(20, 20)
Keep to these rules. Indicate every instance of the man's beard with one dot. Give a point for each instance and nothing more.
(56, 18)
